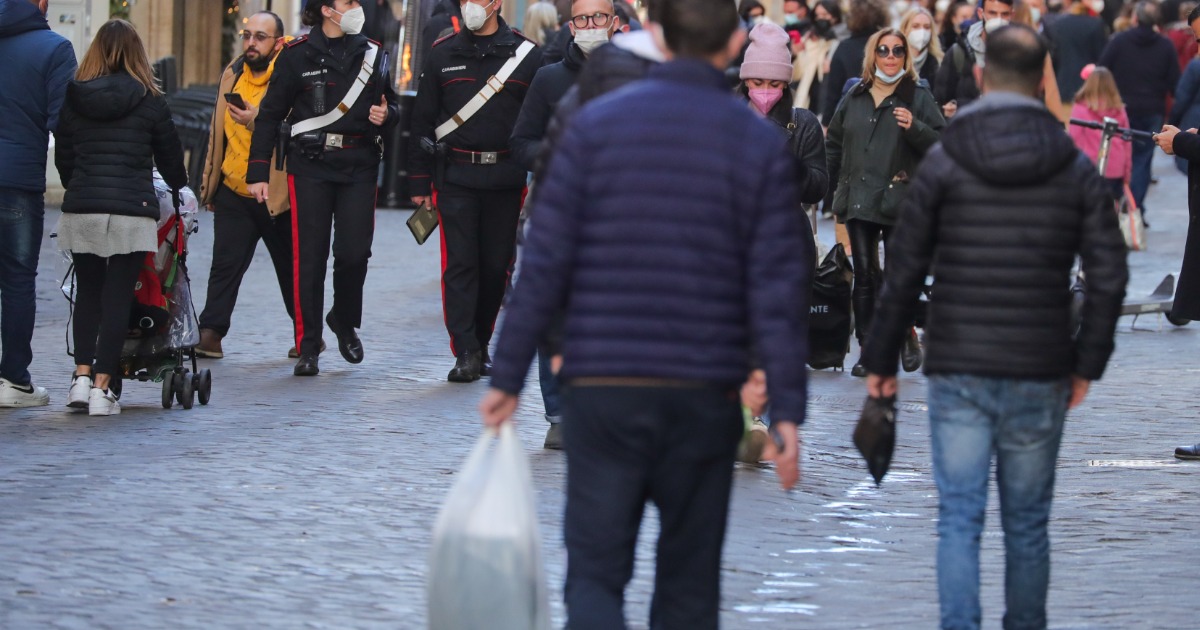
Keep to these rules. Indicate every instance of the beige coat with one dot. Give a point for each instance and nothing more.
(278, 201)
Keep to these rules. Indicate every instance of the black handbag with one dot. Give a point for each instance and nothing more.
(875, 435)
(829, 320)
(423, 222)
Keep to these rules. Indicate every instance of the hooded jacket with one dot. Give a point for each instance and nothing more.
(549, 85)
(111, 135)
(999, 211)
(1145, 67)
(38, 64)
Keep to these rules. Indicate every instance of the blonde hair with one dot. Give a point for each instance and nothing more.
(935, 46)
(1100, 92)
(870, 58)
(540, 18)
(118, 48)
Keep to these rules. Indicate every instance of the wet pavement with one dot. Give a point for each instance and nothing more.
(308, 503)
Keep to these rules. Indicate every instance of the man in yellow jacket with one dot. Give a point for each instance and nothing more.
(240, 221)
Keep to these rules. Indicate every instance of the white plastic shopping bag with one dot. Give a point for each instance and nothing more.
(485, 571)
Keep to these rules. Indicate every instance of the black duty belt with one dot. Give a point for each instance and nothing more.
(459, 156)
(336, 141)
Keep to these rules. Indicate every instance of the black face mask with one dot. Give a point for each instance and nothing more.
(822, 26)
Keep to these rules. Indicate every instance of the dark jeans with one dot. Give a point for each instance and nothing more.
(22, 218)
(104, 297)
(674, 446)
(551, 392)
(479, 240)
(974, 419)
(238, 224)
(868, 277)
(1143, 155)
(317, 205)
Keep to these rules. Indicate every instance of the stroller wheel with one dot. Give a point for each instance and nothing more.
(204, 386)
(186, 391)
(168, 390)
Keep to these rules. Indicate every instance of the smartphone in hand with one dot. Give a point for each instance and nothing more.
(236, 100)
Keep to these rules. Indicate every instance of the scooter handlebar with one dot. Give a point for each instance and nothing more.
(1122, 131)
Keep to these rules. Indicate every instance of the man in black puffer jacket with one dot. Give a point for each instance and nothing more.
(999, 211)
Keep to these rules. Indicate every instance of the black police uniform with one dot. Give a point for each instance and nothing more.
(477, 187)
(332, 173)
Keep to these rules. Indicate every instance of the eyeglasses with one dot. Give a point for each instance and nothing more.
(896, 51)
(596, 19)
(259, 37)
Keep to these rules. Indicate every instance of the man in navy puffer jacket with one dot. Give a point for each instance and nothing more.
(38, 64)
(667, 226)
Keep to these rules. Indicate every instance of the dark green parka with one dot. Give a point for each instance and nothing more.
(871, 159)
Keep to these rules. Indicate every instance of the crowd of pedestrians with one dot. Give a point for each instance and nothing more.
(664, 160)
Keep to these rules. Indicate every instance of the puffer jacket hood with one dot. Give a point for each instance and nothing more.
(20, 16)
(109, 97)
(1144, 36)
(1009, 140)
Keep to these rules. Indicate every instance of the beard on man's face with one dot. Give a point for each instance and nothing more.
(258, 62)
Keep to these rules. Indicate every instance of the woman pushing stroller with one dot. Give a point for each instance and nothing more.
(115, 127)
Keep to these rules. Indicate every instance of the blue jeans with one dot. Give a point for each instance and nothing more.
(1021, 423)
(22, 218)
(1143, 155)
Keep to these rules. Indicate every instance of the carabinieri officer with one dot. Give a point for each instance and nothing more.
(332, 88)
(468, 99)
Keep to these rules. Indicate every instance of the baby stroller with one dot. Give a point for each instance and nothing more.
(163, 330)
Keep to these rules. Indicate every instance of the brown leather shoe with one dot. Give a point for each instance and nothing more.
(293, 353)
(210, 344)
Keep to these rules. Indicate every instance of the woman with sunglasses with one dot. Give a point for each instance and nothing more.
(877, 137)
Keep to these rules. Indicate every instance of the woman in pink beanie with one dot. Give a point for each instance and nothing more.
(765, 73)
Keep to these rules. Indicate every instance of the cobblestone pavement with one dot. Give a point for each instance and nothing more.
(308, 503)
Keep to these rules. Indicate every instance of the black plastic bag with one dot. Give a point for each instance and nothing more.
(829, 322)
(875, 435)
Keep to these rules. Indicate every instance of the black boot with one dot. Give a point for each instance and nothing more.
(910, 353)
(1188, 452)
(485, 365)
(306, 366)
(348, 342)
(466, 369)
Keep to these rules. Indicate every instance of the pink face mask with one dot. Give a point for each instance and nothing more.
(765, 98)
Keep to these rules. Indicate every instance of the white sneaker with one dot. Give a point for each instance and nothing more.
(81, 389)
(103, 403)
(13, 395)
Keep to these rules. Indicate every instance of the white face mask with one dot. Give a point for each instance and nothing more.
(941, 6)
(1036, 14)
(352, 21)
(994, 24)
(475, 16)
(919, 38)
(888, 79)
(590, 39)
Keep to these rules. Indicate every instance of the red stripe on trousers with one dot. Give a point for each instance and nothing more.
(508, 272)
(299, 328)
(442, 237)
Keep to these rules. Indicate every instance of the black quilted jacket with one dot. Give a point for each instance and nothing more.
(110, 136)
(999, 211)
